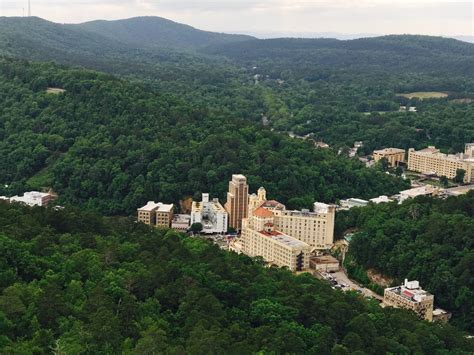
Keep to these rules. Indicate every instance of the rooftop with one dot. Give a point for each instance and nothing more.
(419, 191)
(214, 204)
(273, 204)
(325, 259)
(156, 206)
(263, 213)
(284, 239)
(410, 290)
(389, 151)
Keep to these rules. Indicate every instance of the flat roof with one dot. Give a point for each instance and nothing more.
(325, 259)
(418, 191)
(165, 208)
(239, 176)
(284, 239)
(199, 206)
(158, 206)
(389, 150)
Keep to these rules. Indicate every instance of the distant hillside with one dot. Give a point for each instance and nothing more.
(36, 39)
(158, 32)
(388, 53)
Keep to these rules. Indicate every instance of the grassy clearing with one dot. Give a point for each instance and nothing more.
(55, 91)
(424, 95)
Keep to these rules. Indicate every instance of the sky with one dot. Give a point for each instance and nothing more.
(271, 17)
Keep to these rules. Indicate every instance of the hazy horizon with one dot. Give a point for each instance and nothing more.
(449, 18)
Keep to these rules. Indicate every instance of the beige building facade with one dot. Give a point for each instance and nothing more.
(260, 238)
(432, 161)
(410, 296)
(393, 155)
(156, 214)
(313, 228)
(237, 201)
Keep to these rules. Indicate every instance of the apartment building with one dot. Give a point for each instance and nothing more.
(394, 156)
(275, 247)
(210, 214)
(410, 296)
(432, 161)
(237, 201)
(156, 214)
(33, 198)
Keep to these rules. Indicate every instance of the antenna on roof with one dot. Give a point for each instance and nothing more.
(29, 8)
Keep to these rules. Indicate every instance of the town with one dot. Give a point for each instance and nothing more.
(303, 240)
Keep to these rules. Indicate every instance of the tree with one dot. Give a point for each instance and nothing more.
(459, 178)
(196, 228)
(444, 181)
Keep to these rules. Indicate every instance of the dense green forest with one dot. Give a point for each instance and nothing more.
(76, 283)
(426, 239)
(336, 91)
(109, 145)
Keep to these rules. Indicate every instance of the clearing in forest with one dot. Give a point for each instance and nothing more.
(424, 95)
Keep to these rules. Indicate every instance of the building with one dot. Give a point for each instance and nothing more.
(260, 238)
(325, 263)
(440, 315)
(394, 156)
(314, 228)
(237, 201)
(210, 214)
(181, 222)
(352, 202)
(156, 214)
(380, 199)
(34, 198)
(431, 161)
(426, 190)
(410, 296)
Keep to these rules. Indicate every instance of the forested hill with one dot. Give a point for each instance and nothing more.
(410, 53)
(75, 283)
(110, 145)
(156, 32)
(426, 239)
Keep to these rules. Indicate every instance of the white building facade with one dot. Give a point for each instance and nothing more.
(210, 214)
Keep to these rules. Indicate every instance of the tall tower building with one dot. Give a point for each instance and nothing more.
(237, 201)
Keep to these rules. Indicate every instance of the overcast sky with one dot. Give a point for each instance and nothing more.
(434, 17)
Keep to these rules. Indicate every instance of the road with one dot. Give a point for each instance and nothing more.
(342, 279)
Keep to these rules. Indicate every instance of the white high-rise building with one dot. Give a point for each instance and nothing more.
(210, 214)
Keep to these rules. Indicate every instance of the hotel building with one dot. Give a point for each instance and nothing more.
(410, 296)
(261, 238)
(237, 201)
(432, 161)
(394, 156)
(156, 214)
(314, 228)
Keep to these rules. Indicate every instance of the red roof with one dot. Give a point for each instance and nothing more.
(273, 204)
(408, 294)
(262, 212)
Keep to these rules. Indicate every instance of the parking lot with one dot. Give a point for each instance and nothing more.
(339, 280)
